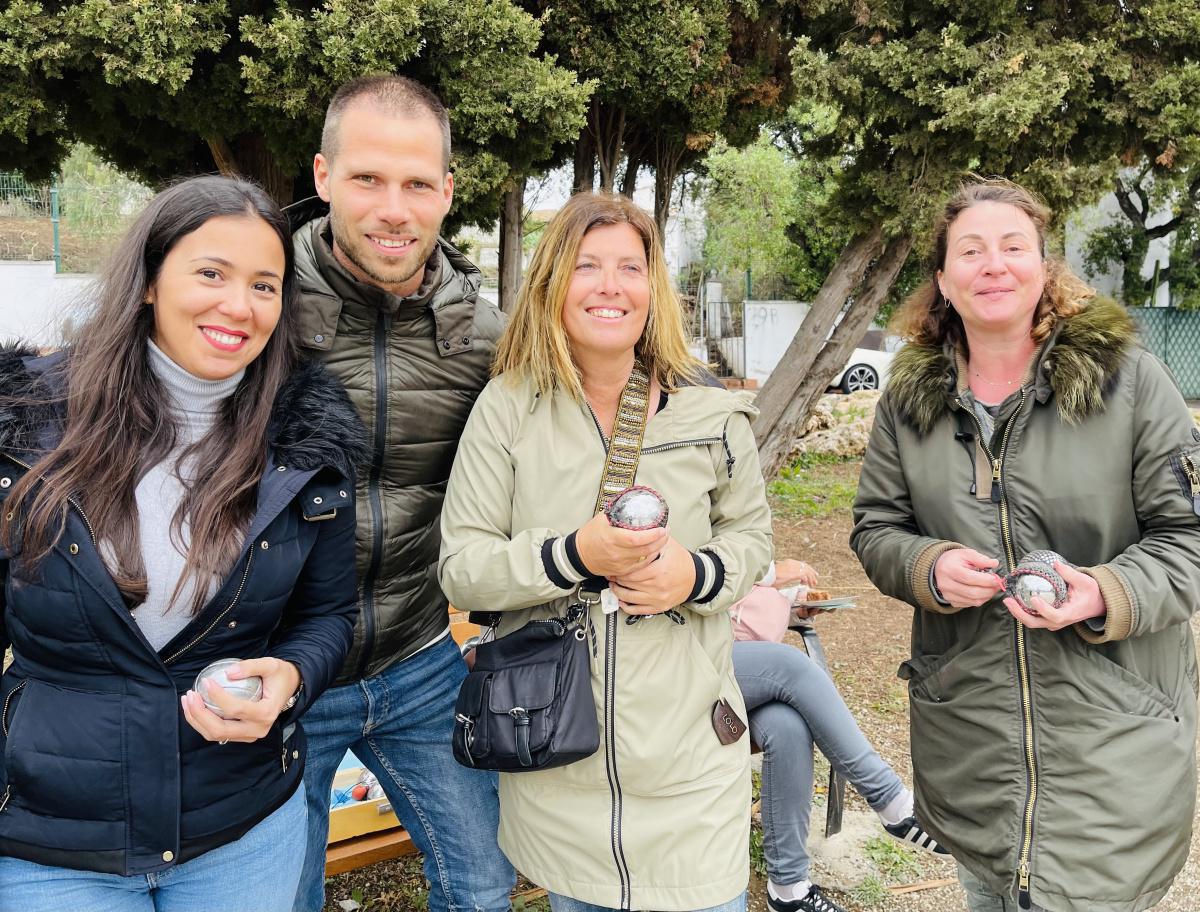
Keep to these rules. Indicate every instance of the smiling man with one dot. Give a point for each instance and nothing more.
(393, 310)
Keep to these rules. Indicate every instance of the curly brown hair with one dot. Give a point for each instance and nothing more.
(925, 319)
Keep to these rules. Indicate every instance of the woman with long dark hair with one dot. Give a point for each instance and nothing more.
(175, 489)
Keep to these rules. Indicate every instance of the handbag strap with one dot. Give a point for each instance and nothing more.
(625, 445)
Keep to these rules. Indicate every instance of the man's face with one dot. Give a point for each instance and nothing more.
(388, 192)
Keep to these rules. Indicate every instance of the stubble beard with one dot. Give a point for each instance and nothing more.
(355, 248)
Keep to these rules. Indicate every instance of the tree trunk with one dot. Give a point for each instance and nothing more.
(607, 126)
(633, 164)
(667, 157)
(585, 162)
(845, 276)
(249, 157)
(510, 245)
(809, 384)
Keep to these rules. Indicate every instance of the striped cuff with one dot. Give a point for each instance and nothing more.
(710, 577)
(560, 558)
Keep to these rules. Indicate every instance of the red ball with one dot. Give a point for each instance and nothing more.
(359, 792)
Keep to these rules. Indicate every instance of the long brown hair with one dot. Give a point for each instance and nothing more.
(535, 344)
(118, 419)
(925, 319)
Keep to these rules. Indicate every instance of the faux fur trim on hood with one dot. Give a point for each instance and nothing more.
(1078, 365)
(313, 423)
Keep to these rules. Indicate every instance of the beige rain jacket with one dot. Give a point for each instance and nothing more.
(659, 817)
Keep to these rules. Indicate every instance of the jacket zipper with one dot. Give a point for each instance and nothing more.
(676, 444)
(610, 738)
(220, 617)
(4, 711)
(610, 754)
(5, 797)
(1000, 497)
(1193, 475)
(383, 327)
(70, 499)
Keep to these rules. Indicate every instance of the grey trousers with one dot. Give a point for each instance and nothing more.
(793, 703)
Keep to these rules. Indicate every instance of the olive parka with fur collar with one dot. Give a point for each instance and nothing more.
(1061, 763)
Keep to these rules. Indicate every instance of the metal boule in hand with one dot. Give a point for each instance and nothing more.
(1035, 577)
(637, 508)
(250, 688)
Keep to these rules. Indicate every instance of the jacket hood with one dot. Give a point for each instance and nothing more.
(313, 423)
(1078, 365)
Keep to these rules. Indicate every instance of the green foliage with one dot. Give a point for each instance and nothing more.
(753, 200)
(156, 87)
(812, 488)
(870, 892)
(758, 856)
(894, 861)
(1156, 203)
(1056, 101)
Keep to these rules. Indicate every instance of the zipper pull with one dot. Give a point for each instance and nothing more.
(1193, 476)
(995, 481)
(1024, 900)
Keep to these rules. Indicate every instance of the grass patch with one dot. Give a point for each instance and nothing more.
(869, 892)
(894, 861)
(813, 486)
(758, 856)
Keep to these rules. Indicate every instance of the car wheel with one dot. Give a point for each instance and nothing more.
(859, 377)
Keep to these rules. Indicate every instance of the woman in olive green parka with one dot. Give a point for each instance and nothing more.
(658, 818)
(1053, 747)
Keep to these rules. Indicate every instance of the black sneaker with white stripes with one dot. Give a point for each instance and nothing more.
(815, 901)
(909, 830)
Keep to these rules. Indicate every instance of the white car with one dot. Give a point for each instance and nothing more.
(867, 369)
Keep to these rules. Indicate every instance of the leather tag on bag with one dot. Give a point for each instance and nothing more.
(726, 723)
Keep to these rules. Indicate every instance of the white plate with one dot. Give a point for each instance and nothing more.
(847, 601)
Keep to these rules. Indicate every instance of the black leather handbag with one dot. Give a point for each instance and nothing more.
(527, 702)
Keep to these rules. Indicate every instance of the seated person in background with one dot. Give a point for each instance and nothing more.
(792, 703)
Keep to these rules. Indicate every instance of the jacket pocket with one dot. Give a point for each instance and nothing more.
(62, 754)
(1186, 467)
(667, 688)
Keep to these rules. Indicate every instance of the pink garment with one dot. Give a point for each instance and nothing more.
(763, 614)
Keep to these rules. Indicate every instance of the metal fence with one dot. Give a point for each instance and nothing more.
(29, 220)
(74, 220)
(1173, 335)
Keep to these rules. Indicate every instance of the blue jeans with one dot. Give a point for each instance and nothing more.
(257, 873)
(791, 703)
(560, 903)
(399, 723)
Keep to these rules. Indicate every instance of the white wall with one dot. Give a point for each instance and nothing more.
(769, 327)
(35, 303)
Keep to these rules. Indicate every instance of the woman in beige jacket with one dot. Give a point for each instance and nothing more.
(658, 817)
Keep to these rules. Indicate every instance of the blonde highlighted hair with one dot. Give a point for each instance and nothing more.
(925, 318)
(535, 344)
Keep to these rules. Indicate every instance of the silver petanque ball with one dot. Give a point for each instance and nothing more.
(1035, 577)
(250, 688)
(637, 508)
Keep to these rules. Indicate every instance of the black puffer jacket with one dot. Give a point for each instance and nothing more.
(413, 368)
(100, 770)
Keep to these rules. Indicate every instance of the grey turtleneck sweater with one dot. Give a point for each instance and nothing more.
(196, 403)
